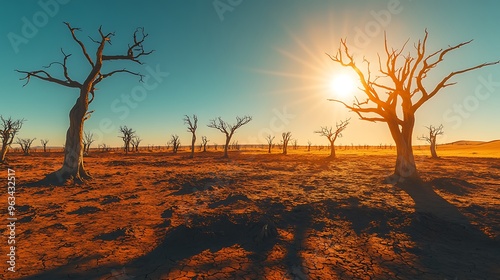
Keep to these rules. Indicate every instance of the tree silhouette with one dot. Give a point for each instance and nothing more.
(286, 136)
(8, 130)
(204, 142)
(25, 144)
(192, 125)
(88, 139)
(228, 129)
(399, 90)
(135, 142)
(175, 142)
(127, 135)
(44, 143)
(332, 134)
(431, 139)
(73, 154)
(269, 140)
(309, 143)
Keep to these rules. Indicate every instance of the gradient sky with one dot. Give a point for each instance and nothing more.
(260, 58)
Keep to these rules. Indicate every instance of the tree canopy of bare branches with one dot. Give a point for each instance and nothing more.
(431, 138)
(88, 139)
(44, 143)
(127, 134)
(398, 91)
(192, 125)
(333, 133)
(175, 142)
(269, 140)
(9, 127)
(204, 142)
(25, 144)
(228, 129)
(73, 153)
(135, 142)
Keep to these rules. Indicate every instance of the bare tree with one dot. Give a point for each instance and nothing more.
(25, 144)
(8, 130)
(175, 142)
(135, 142)
(269, 139)
(88, 139)
(44, 143)
(309, 143)
(398, 91)
(204, 142)
(295, 144)
(431, 139)
(228, 129)
(192, 126)
(215, 146)
(104, 147)
(286, 136)
(332, 134)
(127, 135)
(73, 155)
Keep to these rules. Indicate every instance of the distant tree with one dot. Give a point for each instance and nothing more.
(135, 142)
(332, 134)
(431, 138)
(401, 87)
(269, 139)
(286, 136)
(88, 139)
(44, 143)
(127, 135)
(8, 130)
(25, 144)
(93, 74)
(204, 142)
(309, 143)
(215, 146)
(295, 144)
(103, 147)
(192, 125)
(175, 142)
(228, 129)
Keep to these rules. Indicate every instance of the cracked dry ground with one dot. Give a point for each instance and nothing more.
(257, 216)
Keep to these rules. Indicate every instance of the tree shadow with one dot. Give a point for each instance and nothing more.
(446, 240)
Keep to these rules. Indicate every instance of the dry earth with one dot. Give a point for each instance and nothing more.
(256, 216)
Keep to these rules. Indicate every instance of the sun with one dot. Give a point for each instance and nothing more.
(342, 85)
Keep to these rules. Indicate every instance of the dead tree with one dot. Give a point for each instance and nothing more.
(8, 130)
(44, 143)
(175, 142)
(332, 134)
(269, 140)
(73, 154)
(295, 144)
(25, 144)
(135, 142)
(127, 135)
(286, 136)
(309, 143)
(204, 142)
(88, 139)
(192, 125)
(431, 139)
(398, 91)
(228, 129)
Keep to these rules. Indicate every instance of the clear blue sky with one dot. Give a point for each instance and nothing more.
(257, 58)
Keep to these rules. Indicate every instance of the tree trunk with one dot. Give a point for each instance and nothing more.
(332, 149)
(406, 168)
(433, 148)
(193, 140)
(228, 139)
(269, 149)
(73, 167)
(3, 152)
